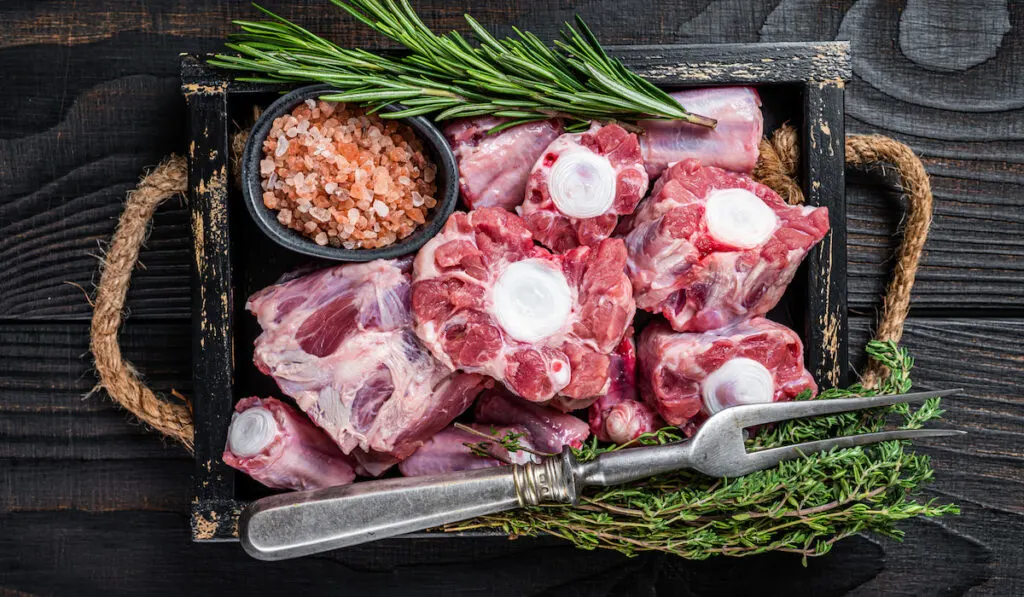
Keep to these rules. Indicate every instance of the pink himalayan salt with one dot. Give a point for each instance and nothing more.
(344, 178)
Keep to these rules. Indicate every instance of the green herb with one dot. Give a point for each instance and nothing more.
(509, 441)
(445, 75)
(802, 506)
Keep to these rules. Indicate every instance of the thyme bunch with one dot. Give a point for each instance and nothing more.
(519, 78)
(802, 506)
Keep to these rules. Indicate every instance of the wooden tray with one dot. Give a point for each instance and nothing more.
(800, 83)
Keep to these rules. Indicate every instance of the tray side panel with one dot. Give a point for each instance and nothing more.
(213, 509)
(824, 159)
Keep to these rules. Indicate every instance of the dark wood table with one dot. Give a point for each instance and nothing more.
(90, 502)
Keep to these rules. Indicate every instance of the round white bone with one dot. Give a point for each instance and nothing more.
(561, 373)
(739, 218)
(531, 300)
(738, 381)
(251, 431)
(582, 184)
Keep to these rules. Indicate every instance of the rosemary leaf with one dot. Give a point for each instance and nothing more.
(576, 79)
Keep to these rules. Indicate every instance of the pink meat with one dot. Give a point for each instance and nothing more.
(675, 366)
(618, 416)
(447, 451)
(732, 144)
(453, 302)
(299, 457)
(697, 281)
(493, 168)
(561, 232)
(340, 342)
(549, 430)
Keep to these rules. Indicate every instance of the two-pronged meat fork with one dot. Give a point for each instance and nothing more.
(302, 523)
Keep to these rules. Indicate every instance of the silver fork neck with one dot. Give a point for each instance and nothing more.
(553, 479)
(633, 464)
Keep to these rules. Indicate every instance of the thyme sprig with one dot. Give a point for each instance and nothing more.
(518, 78)
(803, 506)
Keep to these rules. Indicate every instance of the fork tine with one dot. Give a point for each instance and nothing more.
(760, 414)
(763, 459)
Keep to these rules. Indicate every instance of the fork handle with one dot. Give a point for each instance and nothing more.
(307, 522)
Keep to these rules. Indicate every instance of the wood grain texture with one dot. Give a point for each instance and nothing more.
(93, 504)
(46, 374)
(981, 471)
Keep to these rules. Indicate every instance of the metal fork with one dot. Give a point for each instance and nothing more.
(307, 522)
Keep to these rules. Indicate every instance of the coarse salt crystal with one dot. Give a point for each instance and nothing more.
(321, 239)
(330, 187)
(282, 146)
(417, 199)
(266, 167)
(381, 209)
(320, 214)
(353, 215)
(311, 104)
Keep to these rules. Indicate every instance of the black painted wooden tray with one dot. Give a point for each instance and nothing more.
(799, 83)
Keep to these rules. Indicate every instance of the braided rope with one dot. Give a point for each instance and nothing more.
(117, 376)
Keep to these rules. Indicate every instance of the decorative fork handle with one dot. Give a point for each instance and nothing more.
(306, 522)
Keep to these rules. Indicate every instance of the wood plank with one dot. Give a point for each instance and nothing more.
(158, 556)
(825, 333)
(963, 115)
(213, 338)
(35, 485)
(46, 374)
(61, 191)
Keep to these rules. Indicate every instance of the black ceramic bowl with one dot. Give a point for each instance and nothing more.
(434, 143)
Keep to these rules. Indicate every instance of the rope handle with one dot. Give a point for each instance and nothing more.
(776, 168)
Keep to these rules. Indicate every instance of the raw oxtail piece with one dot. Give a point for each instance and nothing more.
(690, 376)
(580, 186)
(488, 300)
(340, 342)
(619, 416)
(447, 451)
(710, 247)
(493, 167)
(731, 145)
(549, 430)
(274, 444)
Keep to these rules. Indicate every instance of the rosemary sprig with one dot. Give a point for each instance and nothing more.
(802, 506)
(518, 78)
(509, 441)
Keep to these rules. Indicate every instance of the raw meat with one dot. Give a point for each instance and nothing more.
(487, 300)
(272, 443)
(732, 144)
(619, 416)
(493, 168)
(447, 452)
(690, 376)
(709, 247)
(549, 430)
(581, 184)
(340, 342)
